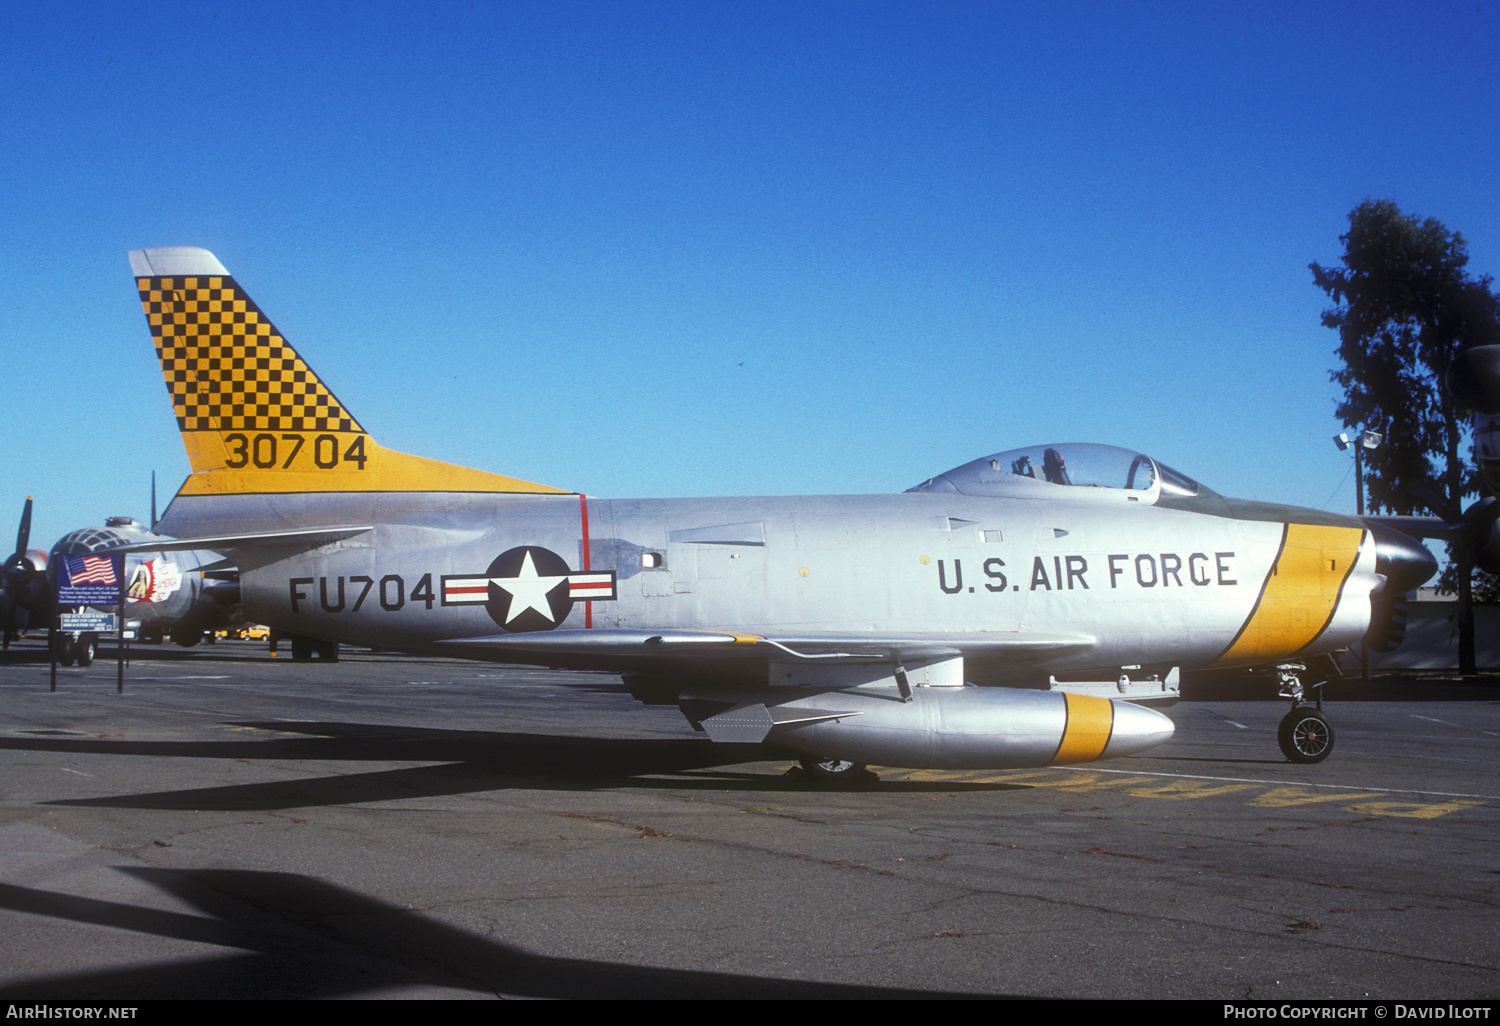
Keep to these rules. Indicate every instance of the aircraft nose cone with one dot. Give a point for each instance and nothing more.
(1136, 729)
(1403, 561)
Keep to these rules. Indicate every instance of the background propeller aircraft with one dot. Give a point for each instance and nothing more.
(178, 594)
(975, 621)
(181, 595)
(25, 599)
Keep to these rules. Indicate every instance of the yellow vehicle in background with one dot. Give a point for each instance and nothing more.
(245, 632)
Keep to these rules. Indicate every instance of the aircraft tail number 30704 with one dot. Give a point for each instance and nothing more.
(1019, 610)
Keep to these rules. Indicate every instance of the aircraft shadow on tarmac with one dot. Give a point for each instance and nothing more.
(300, 937)
(469, 762)
(27, 651)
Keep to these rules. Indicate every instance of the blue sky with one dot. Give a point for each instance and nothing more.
(643, 249)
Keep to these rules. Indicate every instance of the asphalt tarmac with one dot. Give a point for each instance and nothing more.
(237, 826)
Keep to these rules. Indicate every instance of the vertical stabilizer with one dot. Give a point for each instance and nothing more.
(254, 416)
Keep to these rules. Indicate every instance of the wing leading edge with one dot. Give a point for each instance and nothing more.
(854, 645)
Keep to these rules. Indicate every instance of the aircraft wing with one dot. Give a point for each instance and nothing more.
(1417, 527)
(861, 645)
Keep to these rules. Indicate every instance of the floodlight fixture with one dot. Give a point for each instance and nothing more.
(1368, 441)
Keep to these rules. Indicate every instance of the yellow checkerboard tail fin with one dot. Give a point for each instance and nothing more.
(254, 416)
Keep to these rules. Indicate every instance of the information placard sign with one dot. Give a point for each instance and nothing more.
(99, 623)
(85, 580)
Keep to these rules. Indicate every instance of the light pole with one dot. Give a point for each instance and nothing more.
(1367, 440)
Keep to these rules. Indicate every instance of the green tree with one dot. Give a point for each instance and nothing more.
(1405, 306)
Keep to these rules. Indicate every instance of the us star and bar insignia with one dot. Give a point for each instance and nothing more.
(528, 588)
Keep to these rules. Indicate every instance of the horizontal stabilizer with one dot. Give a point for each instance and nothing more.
(305, 538)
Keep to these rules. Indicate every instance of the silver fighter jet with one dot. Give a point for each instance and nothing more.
(978, 620)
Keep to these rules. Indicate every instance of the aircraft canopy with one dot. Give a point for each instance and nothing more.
(1035, 470)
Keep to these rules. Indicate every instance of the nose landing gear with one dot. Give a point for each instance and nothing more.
(1305, 735)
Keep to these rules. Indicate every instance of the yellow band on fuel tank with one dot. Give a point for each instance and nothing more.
(1090, 722)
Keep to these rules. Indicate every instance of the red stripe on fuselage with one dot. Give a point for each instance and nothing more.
(583, 517)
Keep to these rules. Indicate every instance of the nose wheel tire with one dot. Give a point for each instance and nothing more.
(1305, 736)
